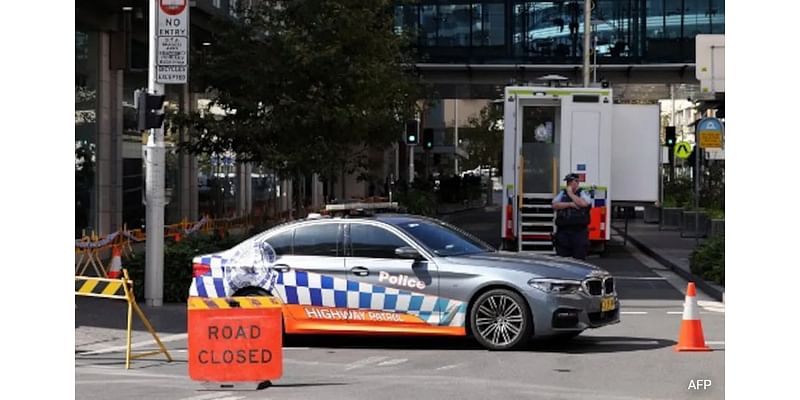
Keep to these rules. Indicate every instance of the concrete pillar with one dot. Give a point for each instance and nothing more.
(316, 192)
(244, 189)
(109, 141)
(188, 168)
(248, 184)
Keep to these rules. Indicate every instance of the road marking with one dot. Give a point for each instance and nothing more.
(297, 348)
(448, 367)
(633, 342)
(715, 342)
(675, 312)
(640, 278)
(364, 362)
(114, 349)
(393, 362)
(208, 396)
(633, 312)
(87, 369)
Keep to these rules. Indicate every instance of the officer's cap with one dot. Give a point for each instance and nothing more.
(571, 177)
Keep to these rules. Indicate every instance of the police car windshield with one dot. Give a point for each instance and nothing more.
(442, 239)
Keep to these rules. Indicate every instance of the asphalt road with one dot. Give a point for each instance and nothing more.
(630, 360)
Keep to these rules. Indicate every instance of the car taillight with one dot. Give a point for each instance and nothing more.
(200, 270)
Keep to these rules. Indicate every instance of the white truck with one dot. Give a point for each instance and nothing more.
(553, 131)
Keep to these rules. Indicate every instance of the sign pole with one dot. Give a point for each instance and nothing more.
(154, 181)
(697, 155)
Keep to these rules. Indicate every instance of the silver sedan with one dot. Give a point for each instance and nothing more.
(403, 274)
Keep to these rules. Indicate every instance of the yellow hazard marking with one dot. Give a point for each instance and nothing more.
(88, 286)
(112, 288)
(683, 150)
(202, 303)
(91, 286)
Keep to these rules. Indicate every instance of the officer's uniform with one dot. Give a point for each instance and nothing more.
(572, 240)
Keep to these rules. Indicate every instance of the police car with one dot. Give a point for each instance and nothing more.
(405, 274)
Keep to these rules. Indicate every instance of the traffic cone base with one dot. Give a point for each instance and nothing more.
(691, 336)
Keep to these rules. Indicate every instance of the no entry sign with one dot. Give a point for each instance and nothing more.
(237, 339)
(173, 42)
(172, 7)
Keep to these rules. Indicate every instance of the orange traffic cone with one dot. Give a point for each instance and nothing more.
(691, 336)
(177, 237)
(116, 263)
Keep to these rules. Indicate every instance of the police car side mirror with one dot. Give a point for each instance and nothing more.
(408, 252)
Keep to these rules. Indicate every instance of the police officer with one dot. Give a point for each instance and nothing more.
(572, 219)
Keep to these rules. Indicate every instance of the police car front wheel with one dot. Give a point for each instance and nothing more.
(500, 320)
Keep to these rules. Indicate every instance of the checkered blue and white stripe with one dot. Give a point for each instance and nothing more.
(213, 285)
(308, 288)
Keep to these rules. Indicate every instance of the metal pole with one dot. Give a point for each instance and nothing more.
(594, 78)
(154, 185)
(455, 144)
(587, 31)
(411, 164)
(698, 153)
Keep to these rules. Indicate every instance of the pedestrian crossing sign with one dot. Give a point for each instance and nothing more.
(683, 150)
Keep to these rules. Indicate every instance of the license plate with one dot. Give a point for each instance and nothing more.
(607, 304)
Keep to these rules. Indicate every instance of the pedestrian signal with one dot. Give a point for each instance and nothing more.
(427, 138)
(412, 132)
(148, 108)
(670, 136)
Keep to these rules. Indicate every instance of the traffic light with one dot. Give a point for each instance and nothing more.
(148, 110)
(670, 136)
(412, 132)
(427, 138)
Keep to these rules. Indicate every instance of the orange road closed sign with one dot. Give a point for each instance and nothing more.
(235, 339)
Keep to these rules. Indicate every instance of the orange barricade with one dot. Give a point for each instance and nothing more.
(235, 339)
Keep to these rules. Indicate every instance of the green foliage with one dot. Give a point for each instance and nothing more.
(456, 189)
(419, 199)
(708, 260)
(177, 264)
(679, 192)
(485, 137)
(712, 191)
(307, 87)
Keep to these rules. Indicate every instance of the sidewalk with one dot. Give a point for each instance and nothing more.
(668, 248)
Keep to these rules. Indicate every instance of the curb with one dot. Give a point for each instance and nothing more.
(710, 290)
(461, 210)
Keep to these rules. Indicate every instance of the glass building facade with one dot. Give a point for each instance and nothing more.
(548, 32)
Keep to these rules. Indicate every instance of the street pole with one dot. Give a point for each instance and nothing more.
(411, 164)
(455, 143)
(594, 78)
(587, 31)
(154, 184)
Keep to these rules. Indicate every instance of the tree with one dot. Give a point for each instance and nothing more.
(485, 137)
(306, 86)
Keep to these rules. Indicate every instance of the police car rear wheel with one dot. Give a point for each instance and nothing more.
(500, 320)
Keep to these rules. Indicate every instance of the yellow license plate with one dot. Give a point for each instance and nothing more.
(607, 304)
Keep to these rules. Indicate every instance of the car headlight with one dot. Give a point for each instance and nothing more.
(558, 286)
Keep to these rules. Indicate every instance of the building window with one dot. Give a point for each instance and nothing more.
(488, 24)
(86, 68)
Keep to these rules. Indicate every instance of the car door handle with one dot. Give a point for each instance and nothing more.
(281, 267)
(360, 271)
